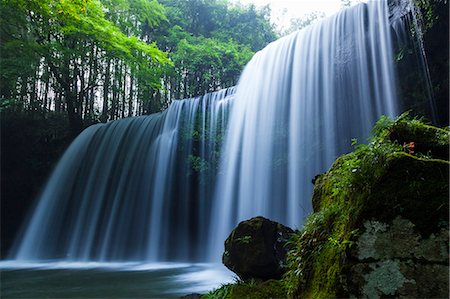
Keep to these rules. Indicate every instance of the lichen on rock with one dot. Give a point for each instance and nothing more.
(384, 279)
(380, 240)
(389, 257)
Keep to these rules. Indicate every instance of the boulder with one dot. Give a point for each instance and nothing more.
(380, 222)
(257, 249)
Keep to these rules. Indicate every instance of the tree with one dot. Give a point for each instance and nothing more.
(60, 35)
(207, 64)
(304, 21)
(99, 60)
(210, 42)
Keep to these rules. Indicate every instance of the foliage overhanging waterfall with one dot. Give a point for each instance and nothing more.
(171, 186)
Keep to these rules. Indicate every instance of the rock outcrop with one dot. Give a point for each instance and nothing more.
(380, 227)
(256, 249)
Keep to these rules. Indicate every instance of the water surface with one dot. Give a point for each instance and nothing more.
(109, 280)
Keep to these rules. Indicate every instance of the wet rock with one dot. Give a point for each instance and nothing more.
(256, 248)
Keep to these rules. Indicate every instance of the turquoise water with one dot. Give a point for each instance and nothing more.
(93, 280)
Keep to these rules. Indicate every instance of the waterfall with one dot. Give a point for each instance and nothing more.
(298, 104)
(128, 191)
(171, 186)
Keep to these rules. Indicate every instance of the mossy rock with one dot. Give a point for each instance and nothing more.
(428, 140)
(380, 227)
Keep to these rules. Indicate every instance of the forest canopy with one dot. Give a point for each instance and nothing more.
(100, 60)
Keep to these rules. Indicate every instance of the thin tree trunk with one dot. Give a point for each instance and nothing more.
(46, 90)
(130, 96)
(124, 91)
(104, 116)
(58, 102)
(93, 81)
(114, 94)
(87, 111)
(33, 92)
(81, 94)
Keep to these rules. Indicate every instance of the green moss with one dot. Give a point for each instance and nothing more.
(244, 240)
(326, 273)
(264, 290)
(250, 290)
(314, 263)
(382, 179)
(224, 292)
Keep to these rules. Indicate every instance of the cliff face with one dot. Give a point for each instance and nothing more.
(380, 226)
(422, 59)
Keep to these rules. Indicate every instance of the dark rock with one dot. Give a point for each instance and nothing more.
(393, 259)
(256, 248)
(422, 77)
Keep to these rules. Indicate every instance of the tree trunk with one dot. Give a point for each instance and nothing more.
(124, 91)
(104, 117)
(130, 96)
(75, 121)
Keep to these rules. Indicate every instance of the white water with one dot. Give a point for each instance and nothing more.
(297, 106)
(127, 190)
(142, 189)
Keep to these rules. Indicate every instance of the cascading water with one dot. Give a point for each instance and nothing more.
(298, 104)
(142, 189)
(125, 191)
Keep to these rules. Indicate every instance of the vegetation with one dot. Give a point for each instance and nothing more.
(59, 47)
(99, 60)
(249, 290)
(304, 21)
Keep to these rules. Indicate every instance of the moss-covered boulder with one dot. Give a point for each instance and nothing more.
(380, 227)
(256, 249)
